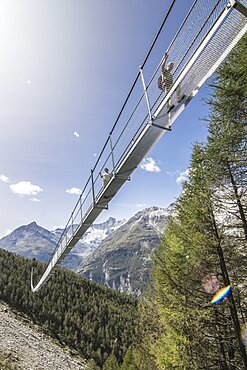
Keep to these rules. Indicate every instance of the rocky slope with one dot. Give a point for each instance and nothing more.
(31, 241)
(26, 347)
(123, 259)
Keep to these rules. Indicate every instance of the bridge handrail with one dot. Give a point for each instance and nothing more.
(183, 65)
(117, 119)
(80, 203)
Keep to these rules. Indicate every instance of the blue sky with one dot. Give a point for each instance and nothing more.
(66, 67)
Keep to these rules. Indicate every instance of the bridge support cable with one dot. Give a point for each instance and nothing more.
(208, 33)
(146, 96)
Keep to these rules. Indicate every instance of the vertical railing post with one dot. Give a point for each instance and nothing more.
(92, 187)
(81, 207)
(112, 155)
(146, 95)
(72, 223)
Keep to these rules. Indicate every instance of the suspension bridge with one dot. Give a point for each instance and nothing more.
(207, 34)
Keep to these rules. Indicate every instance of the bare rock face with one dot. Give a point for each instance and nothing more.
(123, 259)
(114, 253)
(26, 347)
(33, 241)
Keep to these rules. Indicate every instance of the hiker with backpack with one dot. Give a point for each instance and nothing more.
(165, 81)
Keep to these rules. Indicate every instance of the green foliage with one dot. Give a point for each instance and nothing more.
(148, 330)
(226, 147)
(129, 361)
(178, 328)
(111, 363)
(205, 242)
(91, 319)
(91, 365)
(143, 360)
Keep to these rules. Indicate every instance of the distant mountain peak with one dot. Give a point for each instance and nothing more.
(115, 252)
(122, 261)
(34, 241)
(111, 219)
(151, 213)
(33, 223)
(111, 222)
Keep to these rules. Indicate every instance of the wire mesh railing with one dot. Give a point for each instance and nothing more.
(135, 115)
(182, 47)
(144, 100)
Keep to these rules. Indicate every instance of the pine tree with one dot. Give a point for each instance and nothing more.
(227, 163)
(192, 251)
(149, 328)
(227, 139)
(129, 361)
(111, 363)
(181, 263)
(205, 244)
(71, 308)
(91, 365)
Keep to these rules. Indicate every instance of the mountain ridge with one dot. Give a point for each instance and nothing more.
(34, 241)
(115, 253)
(123, 259)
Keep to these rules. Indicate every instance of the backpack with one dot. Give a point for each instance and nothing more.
(160, 83)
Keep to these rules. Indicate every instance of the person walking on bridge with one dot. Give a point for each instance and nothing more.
(166, 74)
(165, 81)
(106, 176)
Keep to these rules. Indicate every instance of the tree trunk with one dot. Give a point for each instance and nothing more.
(232, 304)
(240, 207)
(223, 363)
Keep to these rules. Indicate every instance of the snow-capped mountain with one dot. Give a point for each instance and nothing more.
(115, 253)
(33, 241)
(123, 259)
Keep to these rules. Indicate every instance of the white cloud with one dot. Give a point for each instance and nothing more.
(149, 165)
(76, 134)
(4, 178)
(74, 191)
(183, 176)
(25, 188)
(172, 173)
(35, 200)
(28, 82)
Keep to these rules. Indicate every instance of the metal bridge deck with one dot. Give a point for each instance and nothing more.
(213, 37)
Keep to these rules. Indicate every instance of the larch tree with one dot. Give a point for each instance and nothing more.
(204, 247)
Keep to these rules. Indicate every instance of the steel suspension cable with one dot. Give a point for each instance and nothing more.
(173, 40)
(145, 60)
(136, 79)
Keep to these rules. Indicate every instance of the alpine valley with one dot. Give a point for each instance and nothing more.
(115, 253)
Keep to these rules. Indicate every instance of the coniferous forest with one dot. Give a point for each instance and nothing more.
(204, 248)
(92, 319)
